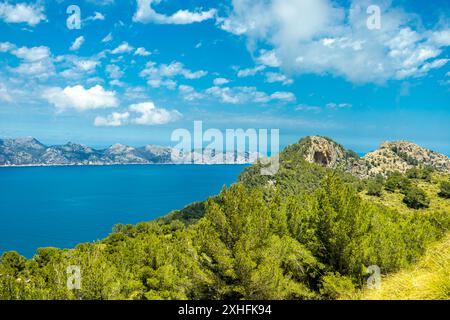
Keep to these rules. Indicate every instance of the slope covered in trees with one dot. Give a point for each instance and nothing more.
(308, 232)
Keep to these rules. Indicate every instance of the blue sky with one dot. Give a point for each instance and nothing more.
(137, 70)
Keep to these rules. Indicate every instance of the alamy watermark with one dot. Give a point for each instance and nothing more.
(74, 277)
(236, 146)
(374, 280)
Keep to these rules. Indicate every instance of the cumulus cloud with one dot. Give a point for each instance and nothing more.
(283, 96)
(273, 77)
(146, 14)
(249, 72)
(6, 46)
(240, 95)
(36, 62)
(320, 37)
(32, 54)
(142, 52)
(161, 75)
(145, 113)
(124, 47)
(32, 14)
(151, 115)
(268, 58)
(115, 119)
(78, 42)
(220, 81)
(81, 99)
(114, 71)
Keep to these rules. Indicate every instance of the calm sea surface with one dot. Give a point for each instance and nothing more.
(63, 206)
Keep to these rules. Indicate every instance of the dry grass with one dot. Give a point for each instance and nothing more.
(427, 280)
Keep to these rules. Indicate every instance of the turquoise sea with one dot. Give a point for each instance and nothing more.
(63, 206)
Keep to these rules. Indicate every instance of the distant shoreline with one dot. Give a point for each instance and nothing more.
(117, 164)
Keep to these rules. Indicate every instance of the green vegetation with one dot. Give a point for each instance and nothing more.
(305, 233)
(420, 173)
(445, 190)
(429, 279)
(397, 181)
(374, 188)
(416, 198)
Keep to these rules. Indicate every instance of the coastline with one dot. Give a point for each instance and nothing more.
(117, 164)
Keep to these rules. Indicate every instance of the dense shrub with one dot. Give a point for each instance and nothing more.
(416, 198)
(445, 190)
(397, 181)
(374, 188)
(420, 173)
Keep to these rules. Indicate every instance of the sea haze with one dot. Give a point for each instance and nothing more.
(63, 206)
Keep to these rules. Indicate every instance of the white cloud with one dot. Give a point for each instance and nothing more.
(146, 14)
(158, 83)
(240, 95)
(32, 14)
(250, 71)
(97, 16)
(6, 46)
(107, 38)
(283, 96)
(116, 119)
(77, 44)
(220, 81)
(161, 75)
(151, 115)
(39, 69)
(117, 83)
(85, 65)
(36, 62)
(336, 106)
(142, 52)
(272, 77)
(189, 93)
(320, 37)
(32, 54)
(124, 47)
(114, 71)
(268, 58)
(4, 94)
(81, 99)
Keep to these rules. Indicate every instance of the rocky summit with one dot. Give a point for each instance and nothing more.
(391, 156)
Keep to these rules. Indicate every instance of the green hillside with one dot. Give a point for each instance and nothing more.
(308, 232)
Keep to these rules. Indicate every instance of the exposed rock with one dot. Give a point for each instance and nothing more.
(392, 156)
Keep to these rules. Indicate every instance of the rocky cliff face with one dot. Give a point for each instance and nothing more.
(390, 157)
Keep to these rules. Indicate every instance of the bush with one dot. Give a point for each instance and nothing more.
(374, 188)
(445, 190)
(334, 286)
(415, 198)
(397, 181)
(420, 173)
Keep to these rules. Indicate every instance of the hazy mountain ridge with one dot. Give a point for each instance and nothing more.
(31, 152)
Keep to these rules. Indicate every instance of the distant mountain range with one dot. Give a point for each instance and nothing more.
(31, 152)
(391, 156)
